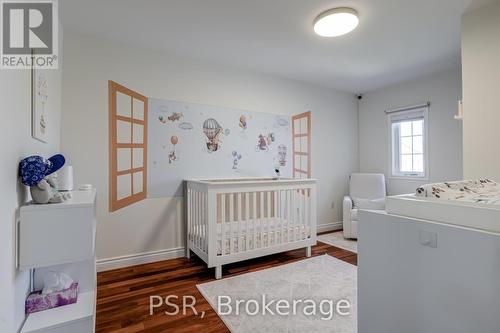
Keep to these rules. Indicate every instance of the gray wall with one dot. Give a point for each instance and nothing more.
(443, 90)
(156, 225)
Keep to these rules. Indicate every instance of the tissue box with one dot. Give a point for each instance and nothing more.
(36, 301)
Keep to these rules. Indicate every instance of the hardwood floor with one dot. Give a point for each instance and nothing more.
(123, 295)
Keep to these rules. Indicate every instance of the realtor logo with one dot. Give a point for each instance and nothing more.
(29, 34)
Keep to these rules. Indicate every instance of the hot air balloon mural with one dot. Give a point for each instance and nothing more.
(186, 126)
(213, 131)
(236, 159)
(282, 154)
(264, 141)
(175, 116)
(172, 156)
(243, 122)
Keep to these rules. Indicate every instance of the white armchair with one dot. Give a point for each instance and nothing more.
(366, 191)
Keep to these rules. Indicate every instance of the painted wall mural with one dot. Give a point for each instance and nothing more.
(187, 140)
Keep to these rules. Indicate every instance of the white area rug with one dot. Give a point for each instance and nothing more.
(316, 279)
(337, 239)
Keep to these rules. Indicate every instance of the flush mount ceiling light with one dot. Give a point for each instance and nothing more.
(336, 22)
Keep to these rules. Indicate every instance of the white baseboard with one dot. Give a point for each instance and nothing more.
(139, 259)
(149, 257)
(329, 227)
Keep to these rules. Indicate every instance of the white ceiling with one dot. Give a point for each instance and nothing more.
(396, 40)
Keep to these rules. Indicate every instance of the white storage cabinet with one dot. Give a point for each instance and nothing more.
(61, 237)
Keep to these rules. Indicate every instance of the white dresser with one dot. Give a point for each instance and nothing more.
(61, 237)
(422, 276)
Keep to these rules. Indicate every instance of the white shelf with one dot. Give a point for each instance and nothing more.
(61, 237)
(79, 198)
(54, 234)
(82, 310)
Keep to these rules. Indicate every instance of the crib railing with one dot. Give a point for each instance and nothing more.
(232, 218)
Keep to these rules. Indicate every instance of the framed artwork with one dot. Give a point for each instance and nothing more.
(40, 95)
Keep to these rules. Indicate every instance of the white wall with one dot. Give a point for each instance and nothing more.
(156, 224)
(481, 88)
(443, 90)
(15, 128)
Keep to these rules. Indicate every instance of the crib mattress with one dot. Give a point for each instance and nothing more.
(275, 233)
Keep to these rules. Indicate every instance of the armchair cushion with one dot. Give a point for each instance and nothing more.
(347, 207)
(367, 186)
(378, 204)
(354, 214)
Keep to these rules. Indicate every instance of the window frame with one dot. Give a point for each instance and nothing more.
(402, 116)
(297, 133)
(114, 202)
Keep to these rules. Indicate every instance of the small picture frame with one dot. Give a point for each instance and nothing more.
(40, 97)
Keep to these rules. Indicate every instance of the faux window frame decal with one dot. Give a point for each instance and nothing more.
(124, 188)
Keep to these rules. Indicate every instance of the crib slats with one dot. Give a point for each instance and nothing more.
(198, 217)
(231, 219)
(188, 212)
(272, 226)
(281, 215)
(265, 225)
(298, 212)
(285, 215)
(193, 216)
(247, 218)
(254, 219)
(263, 219)
(204, 220)
(288, 215)
(222, 235)
(239, 221)
(265, 213)
(202, 226)
(307, 210)
(275, 216)
(207, 214)
(306, 219)
(302, 220)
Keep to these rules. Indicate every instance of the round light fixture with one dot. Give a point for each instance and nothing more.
(336, 22)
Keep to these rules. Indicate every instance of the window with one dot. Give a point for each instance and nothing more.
(408, 133)
(301, 130)
(128, 118)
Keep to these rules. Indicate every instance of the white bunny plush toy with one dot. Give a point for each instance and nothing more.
(46, 191)
(38, 173)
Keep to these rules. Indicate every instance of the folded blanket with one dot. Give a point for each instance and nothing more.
(481, 190)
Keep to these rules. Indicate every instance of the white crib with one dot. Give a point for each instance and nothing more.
(230, 220)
